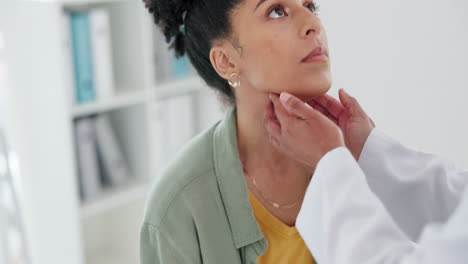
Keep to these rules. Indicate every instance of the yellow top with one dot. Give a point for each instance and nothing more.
(285, 245)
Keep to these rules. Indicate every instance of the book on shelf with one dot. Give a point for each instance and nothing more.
(173, 124)
(116, 170)
(88, 164)
(181, 122)
(102, 53)
(181, 67)
(167, 66)
(82, 57)
(92, 55)
(101, 162)
(68, 62)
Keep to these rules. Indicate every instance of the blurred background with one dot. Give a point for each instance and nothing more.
(93, 105)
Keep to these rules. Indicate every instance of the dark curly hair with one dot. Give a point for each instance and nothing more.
(205, 22)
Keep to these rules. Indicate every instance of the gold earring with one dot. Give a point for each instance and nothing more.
(236, 82)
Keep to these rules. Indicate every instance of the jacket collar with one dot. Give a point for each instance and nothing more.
(229, 172)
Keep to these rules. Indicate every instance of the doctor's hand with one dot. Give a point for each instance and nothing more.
(349, 116)
(299, 131)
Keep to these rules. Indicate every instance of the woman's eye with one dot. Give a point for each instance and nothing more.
(313, 7)
(277, 12)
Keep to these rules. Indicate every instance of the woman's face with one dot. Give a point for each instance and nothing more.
(274, 36)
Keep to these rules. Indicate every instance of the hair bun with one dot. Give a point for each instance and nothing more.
(169, 16)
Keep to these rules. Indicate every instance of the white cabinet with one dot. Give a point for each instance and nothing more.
(59, 227)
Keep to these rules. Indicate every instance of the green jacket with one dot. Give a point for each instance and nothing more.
(198, 210)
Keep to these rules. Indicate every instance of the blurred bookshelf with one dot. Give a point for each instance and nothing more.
(118, 101)
(180, 87)
(112, 198)
(148, 102)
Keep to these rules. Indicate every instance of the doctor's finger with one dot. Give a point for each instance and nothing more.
(296, 107)
(270, 122)
(333, 106)
(351, 104)
(280, 111)
(323, 111)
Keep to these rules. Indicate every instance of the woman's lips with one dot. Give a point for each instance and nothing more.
(316, 55)
(316, 58)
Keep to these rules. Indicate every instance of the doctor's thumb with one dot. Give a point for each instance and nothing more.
(350, 103)
(296, 106)
(353, 107)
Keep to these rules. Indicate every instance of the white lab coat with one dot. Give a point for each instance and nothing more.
(396, 205)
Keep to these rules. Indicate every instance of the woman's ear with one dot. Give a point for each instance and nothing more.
(222, 60)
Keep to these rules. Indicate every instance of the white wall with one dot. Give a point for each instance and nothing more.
(407, 63)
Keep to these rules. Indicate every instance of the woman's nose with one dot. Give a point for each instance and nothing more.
(309, 24)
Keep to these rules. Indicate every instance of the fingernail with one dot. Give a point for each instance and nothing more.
(284, 97)
(270, 96)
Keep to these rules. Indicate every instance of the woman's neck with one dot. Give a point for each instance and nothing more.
(277, 176)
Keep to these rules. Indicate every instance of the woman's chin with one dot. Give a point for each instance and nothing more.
(306, 93)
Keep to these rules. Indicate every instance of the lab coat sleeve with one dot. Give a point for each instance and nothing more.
(343, 221)
(447, 242)
(415, 187)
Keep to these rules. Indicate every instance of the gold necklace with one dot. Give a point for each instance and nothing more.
(274, 204)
